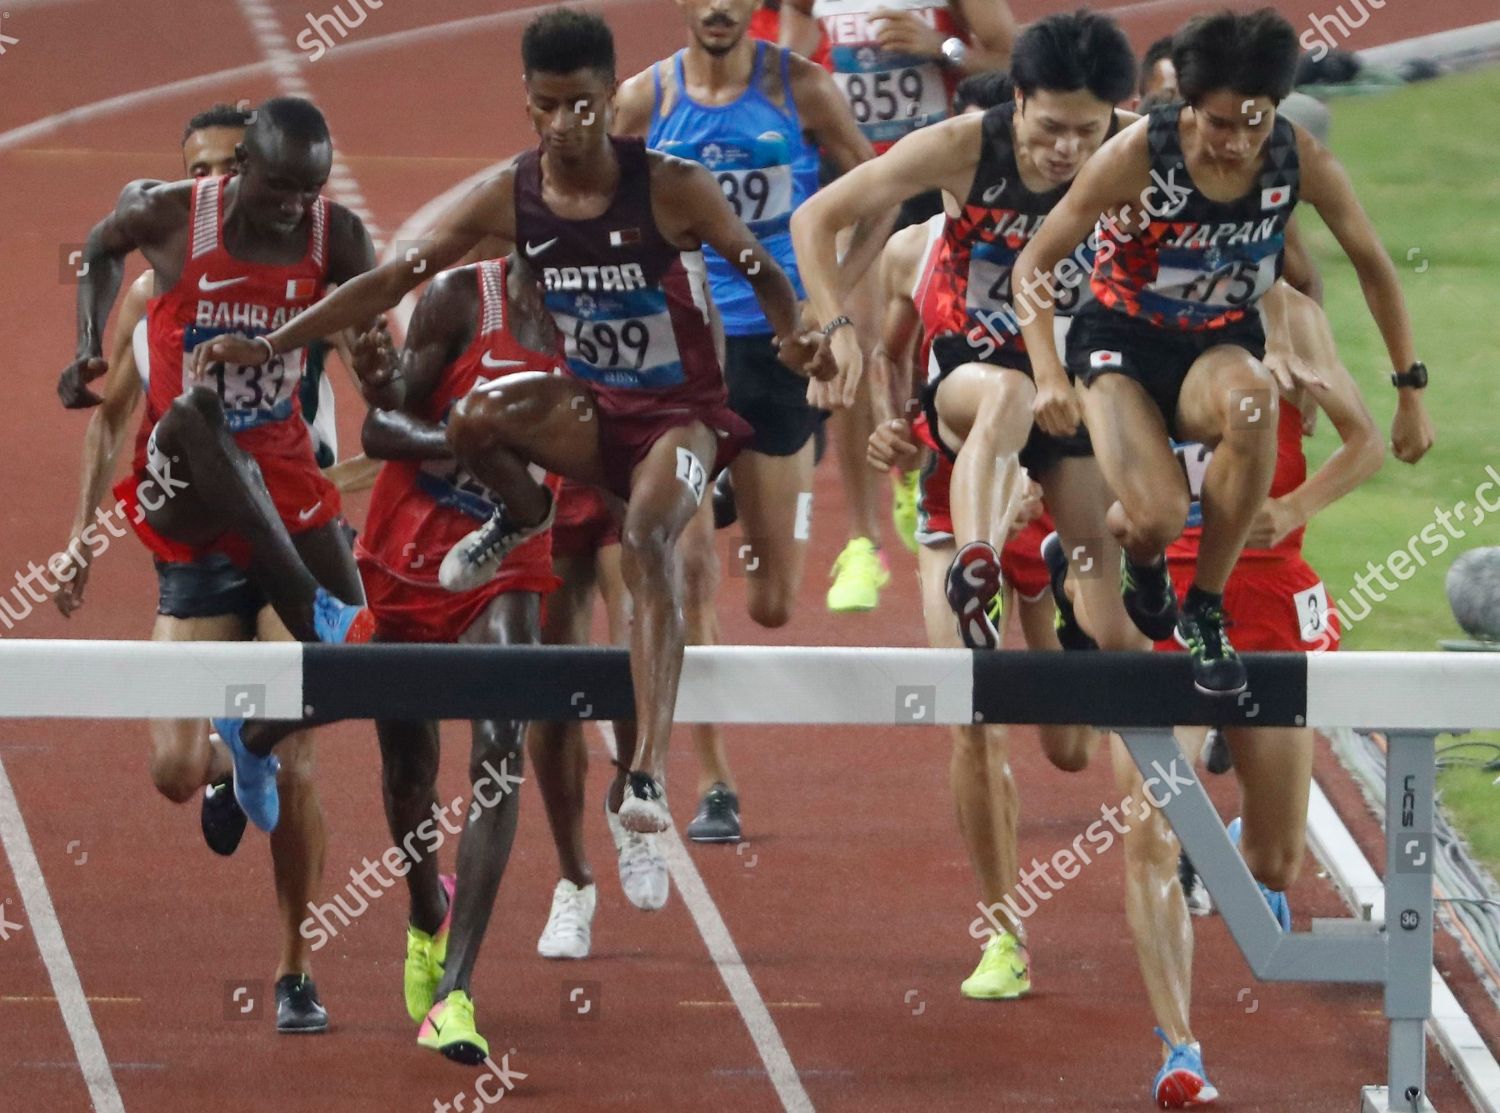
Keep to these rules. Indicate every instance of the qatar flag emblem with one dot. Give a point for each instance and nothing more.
(1105, 359)
(1276, 197)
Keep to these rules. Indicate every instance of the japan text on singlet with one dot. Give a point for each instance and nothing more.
(1198, 263)
(1291, 473)
(218, 293)
(971, 282)
(890, 94)
(633, 310)
(422, 508)
(753, 148)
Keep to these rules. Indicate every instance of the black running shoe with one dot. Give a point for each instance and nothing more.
(726, 511)
(974, 580)
(298, 1010)
(718, 818)
(1216, 756)
(1070, 635)
(1217, 668)
(1150, 599)
(1199, 903)
(222, 818)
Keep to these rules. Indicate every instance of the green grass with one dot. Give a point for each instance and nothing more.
(1426, 170)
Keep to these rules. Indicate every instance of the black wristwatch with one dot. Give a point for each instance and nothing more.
(1414, 376)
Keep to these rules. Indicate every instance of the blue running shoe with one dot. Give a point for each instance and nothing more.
(339, 623)
(1181, 1083)
(254, 777)
(1281, 908)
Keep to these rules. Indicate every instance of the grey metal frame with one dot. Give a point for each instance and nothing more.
(1396, 955)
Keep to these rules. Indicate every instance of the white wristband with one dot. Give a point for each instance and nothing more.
(270, 349)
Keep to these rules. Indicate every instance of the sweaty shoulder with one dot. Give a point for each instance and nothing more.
(634, 101)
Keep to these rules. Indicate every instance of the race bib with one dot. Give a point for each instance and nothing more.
(1312, 613)
(619, 340)
(889, 94)
(251, 396)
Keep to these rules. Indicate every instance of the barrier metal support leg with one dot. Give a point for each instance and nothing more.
(1410, 776)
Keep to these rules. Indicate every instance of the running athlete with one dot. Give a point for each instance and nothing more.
(1173, 345)
(1010, 165)
(754, 115)
(208, 599)
(243, 252)
(1277, 603)
(897, 63)
(474, 327)
(616, 231)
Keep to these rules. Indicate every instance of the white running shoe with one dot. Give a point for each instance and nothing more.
(643, 867)
(476, 558)
(644, 808)
(569, 925)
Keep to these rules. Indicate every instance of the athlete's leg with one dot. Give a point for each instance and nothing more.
(665, 493)
(1154, 904)
(772, 494)
(182, 758)
(988, 410)
(494, 774)
(979, 772)
(558, 752)
(1229, 402)
(1036, 620)
(218, 488)
(699, 563)
(1275, 781)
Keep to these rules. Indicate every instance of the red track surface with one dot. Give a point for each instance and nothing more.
(850, 905)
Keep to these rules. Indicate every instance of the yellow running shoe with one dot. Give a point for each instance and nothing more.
(904, 507)
(1003, 973)
(858, 575)
(449, 1028)
(425, 955)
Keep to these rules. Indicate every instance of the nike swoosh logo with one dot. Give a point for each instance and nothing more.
(206, 284)
(488, 362)
(538, 248)
(306, 515)
(994, 191)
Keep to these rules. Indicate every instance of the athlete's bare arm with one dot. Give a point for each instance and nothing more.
(151, 217)
(634, 100)
(690, 209)
(441, 328)
(990, 25)
(102, 440)
(1115, 180)
(351, 254)
(487, 210)
(892, 443)
(1295, 319)
(1325, 186)
(1298, 268)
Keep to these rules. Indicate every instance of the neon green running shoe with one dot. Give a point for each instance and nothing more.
(425, 955)
(858, 575)
(904, 507)
(1003, 973)
(449, 1028)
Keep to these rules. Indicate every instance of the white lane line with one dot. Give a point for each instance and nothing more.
(138, 98)
(286, 65)
(732, 969)
(49, 941)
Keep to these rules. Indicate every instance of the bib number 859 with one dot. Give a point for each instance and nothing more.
(871, 96)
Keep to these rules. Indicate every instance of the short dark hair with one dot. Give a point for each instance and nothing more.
(1253, 54)
(1074, 50)
(983, 90)
(290, 118)
(219, 116)
(1158, 51)
(565, 39)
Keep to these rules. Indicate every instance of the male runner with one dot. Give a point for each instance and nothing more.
(754, 115)
(473, 327)
(1277, 604)
(243, 252)
(1010, 166)
(898, 63)
(1173, 345)
(616, 231)
(206, 600)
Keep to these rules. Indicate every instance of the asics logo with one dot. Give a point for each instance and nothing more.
(994, 191)
(306, 515)
(975, 574)
(207, 284)
(488, 362)
(535, 249)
